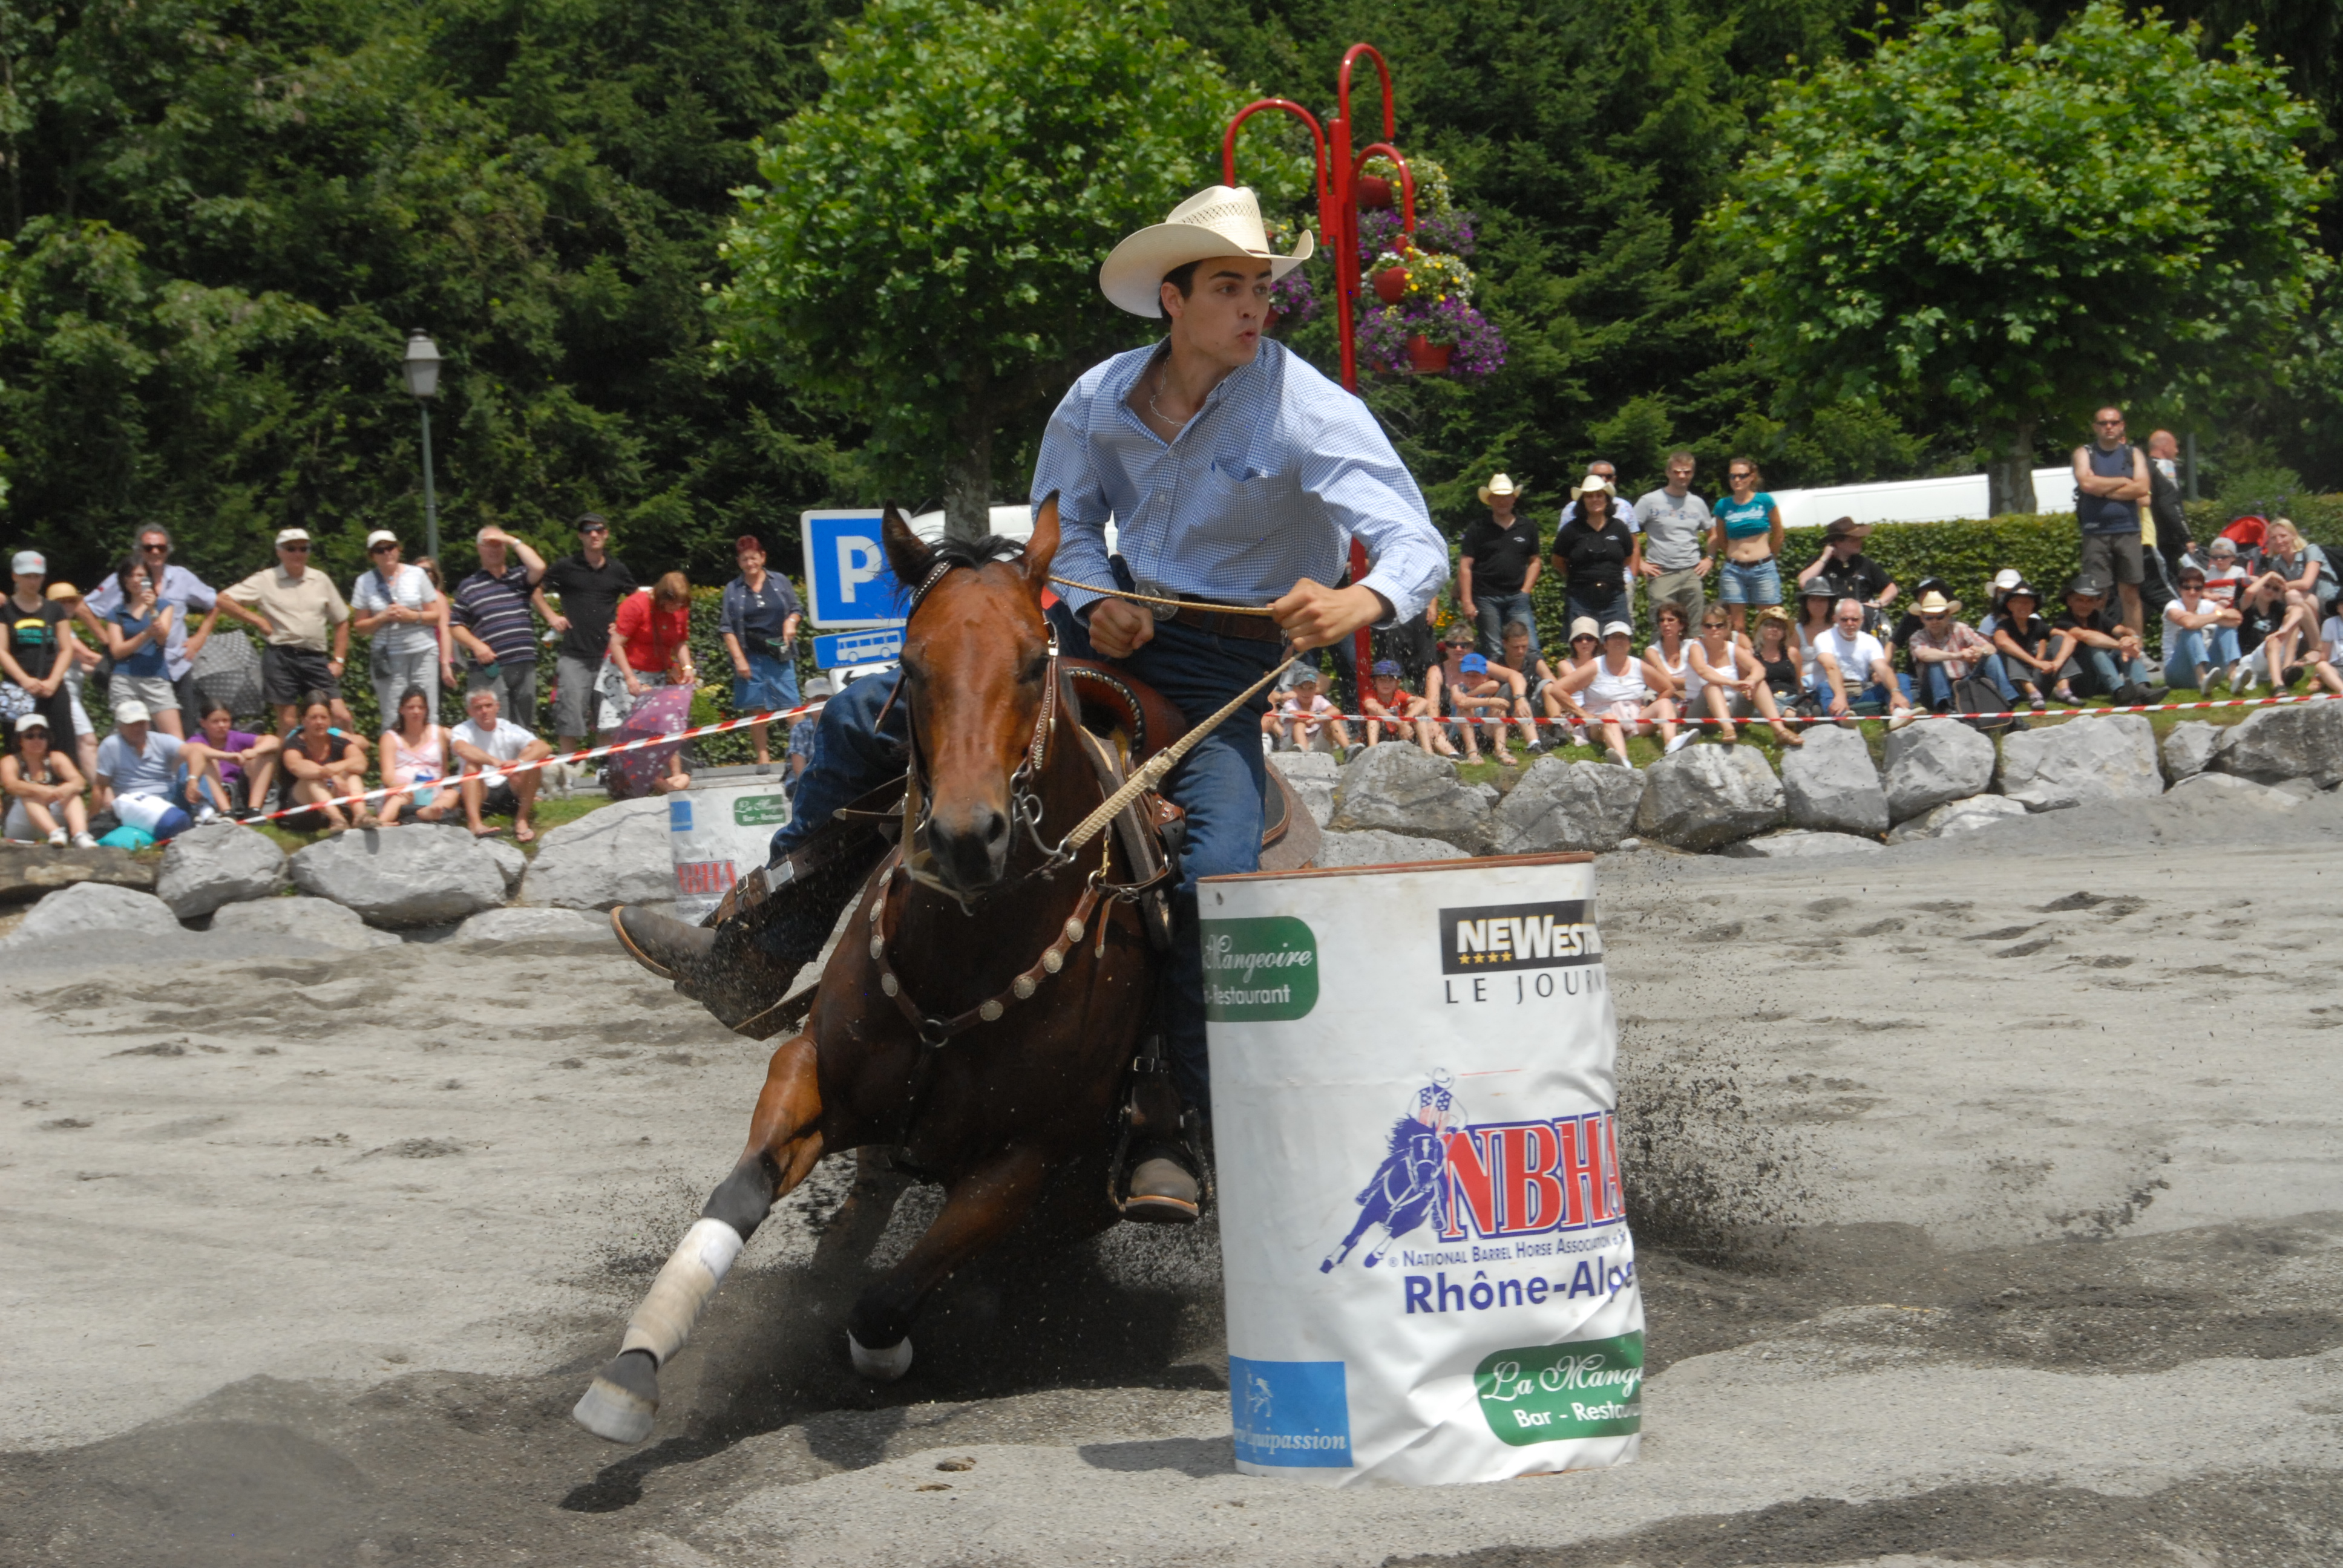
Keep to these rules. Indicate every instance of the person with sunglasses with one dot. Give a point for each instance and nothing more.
(2110, 482)
(1946, 650)
(399, 611)
(295, 609)
(1747, 538)
(194, 609)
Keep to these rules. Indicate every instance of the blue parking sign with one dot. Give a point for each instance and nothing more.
(848, 580)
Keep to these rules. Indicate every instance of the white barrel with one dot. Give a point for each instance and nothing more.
(1430, 1278)
(718, 833)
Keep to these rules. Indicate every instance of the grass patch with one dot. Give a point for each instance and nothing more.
(550, 814)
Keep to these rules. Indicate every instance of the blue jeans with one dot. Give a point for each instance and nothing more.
(1874, 694)
(1757, 583)
(1219, 785)
(2185, 651)
(1493, 612)
(1936, 687)
(770, 685)
(2096, 672)
(1602, 608)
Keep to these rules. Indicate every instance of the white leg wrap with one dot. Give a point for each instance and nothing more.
(687, 1281)
(881, 1366)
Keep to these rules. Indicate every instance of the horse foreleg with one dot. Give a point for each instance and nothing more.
(784, 1142)
(854, 1231)
(983, 1207)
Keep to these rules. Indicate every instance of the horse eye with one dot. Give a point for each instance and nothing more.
(1036, 667)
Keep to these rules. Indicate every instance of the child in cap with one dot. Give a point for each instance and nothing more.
(1389, 705)
(1294, 724)
(1478, 695)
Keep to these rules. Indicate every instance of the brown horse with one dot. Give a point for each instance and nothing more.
(985, 1004)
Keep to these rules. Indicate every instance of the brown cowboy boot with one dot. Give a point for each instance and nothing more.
(1160, 1178)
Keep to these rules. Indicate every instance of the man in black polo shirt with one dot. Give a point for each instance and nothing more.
(590, 583)
(1857, 575)
(1498, 568)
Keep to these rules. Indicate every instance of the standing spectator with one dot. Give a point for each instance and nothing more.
(1856, 573)
(2025, 641)
(1748, 537)
(805, 734)
(34, 659)
(135, 765)
(414, 761)
(188, 597)
(490, 616)
(136, 633)
(487, 743)
(591, 584)
(2200, 636)
(322, 766)
(1729, 680)
(1603, 469)
(1387, 704)
(650, 644)
(230, 766)
(84, 735)
(1619, 698)
(760, 621)
(2295, 587)
(1670, 549)
(1946, 650)
(1846, 654)
(2096, 650)
(2172, 541)
(1498, 568)
(1591, 552)
(297, 607)
(399, 609)
(2110, 483)
(43, 789)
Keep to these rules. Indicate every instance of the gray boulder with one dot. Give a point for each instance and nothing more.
(617, 855)
(420, 874)
(1312, 775)
(1831, 785)
(527, 925)
(1399, 789)
(1956, 817)
(1932, 762)
(1562, 805)
(2189, 748)
(1374, 846)
(2082, 762)
(1799, 844)
(2221, 791)
(319, 921)
(1705, 797)
(2302, 740)
(218, 864)
(97, 909)
(511, 863)
(29, 870)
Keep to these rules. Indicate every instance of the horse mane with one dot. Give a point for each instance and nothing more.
(976, 552)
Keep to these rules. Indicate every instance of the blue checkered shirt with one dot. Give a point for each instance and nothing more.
(1267, 485)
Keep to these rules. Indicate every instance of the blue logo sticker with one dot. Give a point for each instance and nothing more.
(1290, 1412)
(679, 815)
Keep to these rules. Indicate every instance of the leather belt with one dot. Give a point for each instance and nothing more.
(1221, 623)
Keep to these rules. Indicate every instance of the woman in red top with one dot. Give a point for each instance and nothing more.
(649, 647)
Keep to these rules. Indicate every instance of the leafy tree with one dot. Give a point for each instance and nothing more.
(923, 250)
(2012, 234)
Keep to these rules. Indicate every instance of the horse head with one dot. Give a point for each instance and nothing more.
(976, 664)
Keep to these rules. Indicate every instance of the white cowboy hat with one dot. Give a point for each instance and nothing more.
(1218, 220)
(1592, 482)
(1502, 485)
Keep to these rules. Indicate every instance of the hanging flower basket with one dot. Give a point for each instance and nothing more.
(1372, 192)
(1390, 283)
(1427, 357)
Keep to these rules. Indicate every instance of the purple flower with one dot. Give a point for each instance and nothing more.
(1293, 297)
(1378, 230)
(1480, 349)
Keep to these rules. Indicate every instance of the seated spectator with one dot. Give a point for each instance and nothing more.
(1389, 706)
(1728, 681)
(1477, 697)
(1531, 678)
(414, 761)
(1298, 723)
(1619, 697)
(137, 634)
(484, 742)
(2330, 655)
(2024, 642)
(1440, 678)
(2224, 575)
(135, 767)
(2200, 636)
(322, 766)
(1776, 654)
(1816, 601)
(43, 789)
(228, 771)
(2098, 655)
(1899, 641)
(2296, 585)
(1946, 651)
(1857, 575)
(805, 733)
(1670, 655)
(1846, 653)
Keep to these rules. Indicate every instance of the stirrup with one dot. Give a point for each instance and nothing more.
(1179, 1201)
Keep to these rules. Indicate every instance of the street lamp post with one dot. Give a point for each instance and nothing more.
(421, 369)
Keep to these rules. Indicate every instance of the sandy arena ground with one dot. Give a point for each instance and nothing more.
(1990, 1192)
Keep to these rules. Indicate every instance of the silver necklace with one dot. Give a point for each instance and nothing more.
(1157, 409)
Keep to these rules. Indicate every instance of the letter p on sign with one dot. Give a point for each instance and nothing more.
(848, 581)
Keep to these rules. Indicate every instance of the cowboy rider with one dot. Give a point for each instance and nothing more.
(1236, 474)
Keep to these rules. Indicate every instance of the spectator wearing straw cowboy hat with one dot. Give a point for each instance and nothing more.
(1592, 551)
(1498, 568)
(1235, 473)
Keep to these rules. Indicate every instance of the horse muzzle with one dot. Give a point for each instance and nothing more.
(969, 847)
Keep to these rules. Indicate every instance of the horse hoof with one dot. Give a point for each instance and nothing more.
(621, 1400)
(881, 1366)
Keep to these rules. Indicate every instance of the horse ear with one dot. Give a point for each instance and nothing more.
(908, 555)
(1043, 545)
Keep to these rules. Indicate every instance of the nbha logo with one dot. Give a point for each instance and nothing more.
(1547, 936)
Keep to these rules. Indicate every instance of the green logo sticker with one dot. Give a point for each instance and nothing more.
(1260, 970)
(760, 810)
(1550, 1394)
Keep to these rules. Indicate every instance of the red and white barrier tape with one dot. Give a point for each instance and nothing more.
(2274, 700)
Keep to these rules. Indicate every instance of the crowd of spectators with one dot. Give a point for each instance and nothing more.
(175, 755)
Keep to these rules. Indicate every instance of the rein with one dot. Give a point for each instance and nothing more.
(1173, 603)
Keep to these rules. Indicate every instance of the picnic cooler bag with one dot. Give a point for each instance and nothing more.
(1429, 1272)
